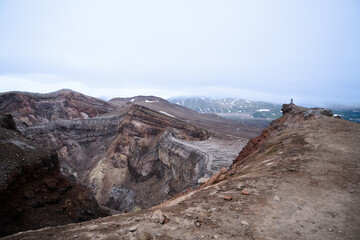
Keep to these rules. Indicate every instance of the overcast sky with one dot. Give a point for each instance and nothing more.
(267, 50)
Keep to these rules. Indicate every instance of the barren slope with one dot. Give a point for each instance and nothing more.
(298, 180)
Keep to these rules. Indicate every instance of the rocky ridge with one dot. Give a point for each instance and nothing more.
(298, 180)
(296, 113)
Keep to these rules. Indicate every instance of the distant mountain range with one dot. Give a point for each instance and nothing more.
(242, 107)
(251, 112)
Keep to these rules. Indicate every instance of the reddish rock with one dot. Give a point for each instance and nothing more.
(227, 197)
(221, 177)
(245, 192)
(215, 177)
(158, 217)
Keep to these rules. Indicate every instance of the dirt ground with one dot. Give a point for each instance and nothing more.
(303, 183)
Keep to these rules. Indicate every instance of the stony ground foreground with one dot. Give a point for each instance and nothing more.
(301, 183)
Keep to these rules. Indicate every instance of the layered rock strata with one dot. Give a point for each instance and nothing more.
(129, 159)
(33, 192)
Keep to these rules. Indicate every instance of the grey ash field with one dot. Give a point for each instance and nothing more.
(297, 179)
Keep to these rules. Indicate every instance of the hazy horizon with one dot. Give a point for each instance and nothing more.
(268, 51)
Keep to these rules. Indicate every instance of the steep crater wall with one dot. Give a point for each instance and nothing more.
(128, 160)
(33, 192)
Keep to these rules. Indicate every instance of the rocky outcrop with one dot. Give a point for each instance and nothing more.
(30, 109)
(292, 109)
(33, 193)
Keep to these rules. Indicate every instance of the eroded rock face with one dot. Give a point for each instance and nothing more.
(127, 157)
(33, 193)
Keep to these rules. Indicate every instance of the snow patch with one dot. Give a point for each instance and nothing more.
(132, 100)
(167, 114)
(263, 110)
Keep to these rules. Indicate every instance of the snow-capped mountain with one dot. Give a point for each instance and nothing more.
(232, 106)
